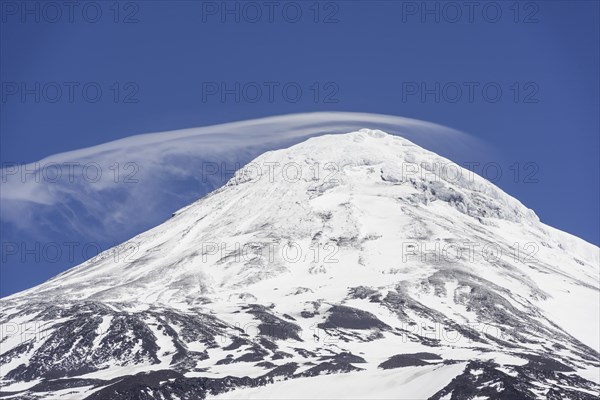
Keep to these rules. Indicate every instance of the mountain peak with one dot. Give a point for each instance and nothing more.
(389, 160)
(346, 244)
(361, 190)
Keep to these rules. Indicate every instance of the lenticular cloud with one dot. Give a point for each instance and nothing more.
(120, 188)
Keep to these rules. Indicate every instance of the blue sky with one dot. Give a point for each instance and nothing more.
(521, 77)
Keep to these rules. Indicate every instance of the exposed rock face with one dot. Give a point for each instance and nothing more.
(349, 254)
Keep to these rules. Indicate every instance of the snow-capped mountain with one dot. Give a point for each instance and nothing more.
(347, 266)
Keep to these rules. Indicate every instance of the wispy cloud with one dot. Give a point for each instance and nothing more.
(117, 189)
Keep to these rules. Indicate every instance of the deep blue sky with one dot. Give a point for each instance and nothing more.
(364, 54)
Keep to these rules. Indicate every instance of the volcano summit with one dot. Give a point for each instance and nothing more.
(347, 266)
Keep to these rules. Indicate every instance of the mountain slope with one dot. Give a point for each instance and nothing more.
(360, 255)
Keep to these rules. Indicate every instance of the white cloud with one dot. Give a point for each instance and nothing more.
(168, 169)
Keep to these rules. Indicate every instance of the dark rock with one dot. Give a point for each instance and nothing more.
(351, 318)
(409, 360)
